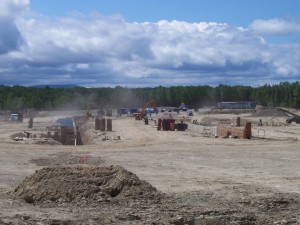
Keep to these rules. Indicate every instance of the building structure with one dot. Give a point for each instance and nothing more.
(236, 105)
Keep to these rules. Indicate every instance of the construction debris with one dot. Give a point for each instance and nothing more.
(107, 138)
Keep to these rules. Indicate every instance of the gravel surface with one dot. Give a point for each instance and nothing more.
(165, 177)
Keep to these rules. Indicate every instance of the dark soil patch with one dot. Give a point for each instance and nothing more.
(269, 112)
(81, 184)
(193, 208)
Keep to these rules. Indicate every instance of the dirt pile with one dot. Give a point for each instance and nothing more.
(269, 112)
(82, 184)
(18, 135)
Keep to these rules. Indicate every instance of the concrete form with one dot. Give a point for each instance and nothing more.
(238, 132)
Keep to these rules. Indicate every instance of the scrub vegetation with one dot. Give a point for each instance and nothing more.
(284, 94)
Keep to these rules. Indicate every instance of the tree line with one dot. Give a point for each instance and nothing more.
(284, 94)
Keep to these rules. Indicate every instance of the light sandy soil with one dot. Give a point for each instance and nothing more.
(176, 163)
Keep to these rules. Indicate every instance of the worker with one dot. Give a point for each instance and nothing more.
(146, 121)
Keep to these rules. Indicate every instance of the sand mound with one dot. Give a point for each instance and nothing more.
(81, 184)
(269, 112)
(18, 135)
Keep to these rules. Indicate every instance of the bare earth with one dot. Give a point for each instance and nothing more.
(201, 180)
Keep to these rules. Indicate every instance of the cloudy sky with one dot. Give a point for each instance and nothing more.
(139, 43)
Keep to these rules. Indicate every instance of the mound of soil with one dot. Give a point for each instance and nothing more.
(18, 135)
(82, 184)
(269, 112)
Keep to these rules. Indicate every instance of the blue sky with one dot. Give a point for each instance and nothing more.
(137, 43)
(234, 12)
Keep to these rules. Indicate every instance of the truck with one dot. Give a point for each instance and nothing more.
(190, 113)
(16, 117)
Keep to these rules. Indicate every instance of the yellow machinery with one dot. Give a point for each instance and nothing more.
(140, 115)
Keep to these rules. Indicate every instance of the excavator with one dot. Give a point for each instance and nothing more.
(140, 115)
(293, 117)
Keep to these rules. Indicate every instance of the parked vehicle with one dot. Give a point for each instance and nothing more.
(183, 107)
(16, 117)
(190, 113)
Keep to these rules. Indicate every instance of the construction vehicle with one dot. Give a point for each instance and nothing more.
(122, 111)
(190, 113)
(16, 117)
(183, 107)
(293, 117)
(145, 109)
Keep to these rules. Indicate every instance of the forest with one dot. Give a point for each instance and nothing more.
(284, 94)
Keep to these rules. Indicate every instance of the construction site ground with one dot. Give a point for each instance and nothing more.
(197, 179)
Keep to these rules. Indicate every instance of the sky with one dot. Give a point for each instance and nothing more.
(139, 43)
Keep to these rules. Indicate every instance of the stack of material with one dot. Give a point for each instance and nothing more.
(166, 124)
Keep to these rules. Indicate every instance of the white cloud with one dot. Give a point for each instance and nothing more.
(275, 26)
(10, 9)
(10, 36)
(286, 65)
(82, 66)
(97, 50)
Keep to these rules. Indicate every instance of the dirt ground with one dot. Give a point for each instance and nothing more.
(199, 180)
